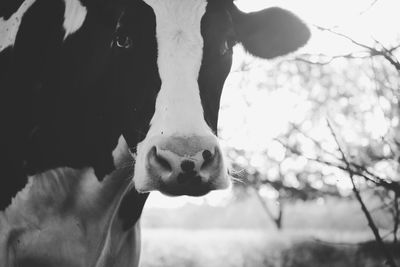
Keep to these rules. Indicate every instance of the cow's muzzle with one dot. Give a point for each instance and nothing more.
(186, 165)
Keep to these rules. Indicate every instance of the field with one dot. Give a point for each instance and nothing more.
(239, 234)
(256, 248)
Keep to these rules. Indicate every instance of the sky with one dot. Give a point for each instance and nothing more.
(363, 20)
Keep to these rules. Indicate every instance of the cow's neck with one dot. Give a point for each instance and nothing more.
(72, 207)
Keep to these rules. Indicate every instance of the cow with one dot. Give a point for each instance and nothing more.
(103, 101)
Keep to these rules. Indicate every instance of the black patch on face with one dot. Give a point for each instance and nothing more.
(218, 36)
(135, 70)
(136, 74)
(65, 103)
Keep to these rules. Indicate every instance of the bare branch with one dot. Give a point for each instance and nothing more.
(390, 261)
(386, 53)
(277, 220)
(329, 59)
(316, 143)
(396, 217)
(369, 7)
(394, 48)
(357, 169)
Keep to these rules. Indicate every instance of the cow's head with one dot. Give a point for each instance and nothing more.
(179, 53)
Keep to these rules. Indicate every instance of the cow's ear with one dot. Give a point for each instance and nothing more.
(269, 33)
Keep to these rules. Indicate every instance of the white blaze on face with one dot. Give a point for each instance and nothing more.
(178, 110)
(180, 50)
(9, 28)
(74, 16)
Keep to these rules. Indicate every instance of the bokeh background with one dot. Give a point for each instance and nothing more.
(314, 143)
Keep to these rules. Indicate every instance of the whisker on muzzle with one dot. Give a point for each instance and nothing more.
(237, 176)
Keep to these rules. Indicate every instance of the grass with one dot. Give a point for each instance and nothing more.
(254, 248)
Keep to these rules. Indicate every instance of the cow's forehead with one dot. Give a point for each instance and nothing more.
(178, 14)
(176, 5)
(191, 10)
(191, 21)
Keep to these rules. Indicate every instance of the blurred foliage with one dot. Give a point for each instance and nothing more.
(348, 121)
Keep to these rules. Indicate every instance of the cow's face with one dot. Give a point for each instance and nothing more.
(181, 51)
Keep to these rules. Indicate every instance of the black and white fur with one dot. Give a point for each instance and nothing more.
(76, 76)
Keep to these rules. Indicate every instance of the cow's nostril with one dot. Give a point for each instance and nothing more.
(207, 155)
(162, 161)
(187, 165)
(208, 159)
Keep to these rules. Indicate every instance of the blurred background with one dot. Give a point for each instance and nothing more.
(314, 144)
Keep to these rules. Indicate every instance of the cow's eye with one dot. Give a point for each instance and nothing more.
(123, 41)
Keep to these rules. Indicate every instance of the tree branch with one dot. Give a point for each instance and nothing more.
(356, 169)
(369, 7)
(390, 261)
(396, 217)
(386, 53)
(277, 221)
(330, 59)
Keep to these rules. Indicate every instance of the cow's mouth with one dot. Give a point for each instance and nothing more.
(190, 189)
